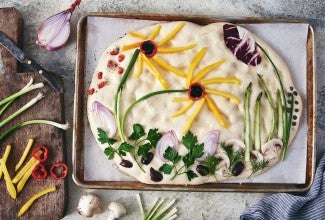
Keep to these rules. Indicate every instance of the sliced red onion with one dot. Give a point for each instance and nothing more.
(169, 139)
(105, 119)
(242, 44)
(210, 144)
(54, 32)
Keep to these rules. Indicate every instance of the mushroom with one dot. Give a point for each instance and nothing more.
(271, 149)
(115, 210)
(235, 144)
(224, 164)
(89, 205)
(257, 156)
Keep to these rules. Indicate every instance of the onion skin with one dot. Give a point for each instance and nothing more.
(105, 119)
(54, 32)
(169, 139)
(210, 144)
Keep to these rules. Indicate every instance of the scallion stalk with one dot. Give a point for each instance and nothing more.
(280, 115)
(247, 122)
(257, 118)
(22, 109)
(37, 121)
(290, 111)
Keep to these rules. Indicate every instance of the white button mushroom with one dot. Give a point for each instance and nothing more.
(89, 205)
(235, 144)
(115, 210)
(224, 164)
(271, 149)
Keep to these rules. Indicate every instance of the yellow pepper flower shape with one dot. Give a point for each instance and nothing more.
(149, 48)
(198, 91)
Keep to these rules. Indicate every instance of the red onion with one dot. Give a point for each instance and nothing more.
(210, 144)
(54, 32)
(169, 139)
(105, 119)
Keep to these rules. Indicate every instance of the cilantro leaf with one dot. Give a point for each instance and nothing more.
(154, 136)
(172, 155)
(166, 168)
(109, 152)
(191, 175)
(197, 151)
(188, 160)
(144, 149)
(189, 139)
(125, 147)
(138, 132)
(103, 138)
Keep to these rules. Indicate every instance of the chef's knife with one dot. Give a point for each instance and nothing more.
(24, 59)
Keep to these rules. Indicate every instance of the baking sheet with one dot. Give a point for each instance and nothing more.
(104, 31)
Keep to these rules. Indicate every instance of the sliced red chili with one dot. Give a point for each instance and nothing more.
(59, 171)
(39, 172)
(40, 153)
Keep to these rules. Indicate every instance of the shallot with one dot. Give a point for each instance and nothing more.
(54, 32)
(169, 139)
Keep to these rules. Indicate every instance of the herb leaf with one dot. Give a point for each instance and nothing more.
(189, 140)
(103, 138)
(195, 150)
(138, 132)
(191, 175)
(109, 152)
(154, 136)
(211, 162)
(257, 166)
(166, 168)
(125, 147)
(144, 149)
(172, 155)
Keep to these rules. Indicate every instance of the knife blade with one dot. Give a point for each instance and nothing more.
(24, 59)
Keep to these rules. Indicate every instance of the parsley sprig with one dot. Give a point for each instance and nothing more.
(195, 150)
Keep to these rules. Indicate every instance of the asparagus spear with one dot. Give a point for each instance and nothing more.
(257, 131)
(247, 122)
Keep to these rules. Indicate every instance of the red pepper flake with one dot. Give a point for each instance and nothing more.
(91, 91)
(120, 70)
(120, 57)
(39, 172)
(101, 84)
(114, 52)
(59, 171)
(100, 75)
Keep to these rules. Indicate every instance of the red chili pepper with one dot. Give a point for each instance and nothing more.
(120, 57)
(120, 70)
(114, 52)
(99, 75)
(40, 153)
(91, 91)
(39, 172)
(59, 171)
(101, 84)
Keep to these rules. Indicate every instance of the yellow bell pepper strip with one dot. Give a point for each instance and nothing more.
(219, 80)
(214, 109)
(180, 99)
(168, 67)
(30, 202)
(139, 70)
(194, 115)
(23, 157)
(5, 157)
(198, 57)
(175, 49)
(207, 69)
(23, 170)
(223, 94)
(130, 46)
(183, 109)
(155, 32)
(171, 34)
(10, 186)
(26, 176)
(137, 35)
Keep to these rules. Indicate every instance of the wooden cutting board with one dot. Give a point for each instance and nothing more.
(50, 206)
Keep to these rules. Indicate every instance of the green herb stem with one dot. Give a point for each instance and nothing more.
(141, 168)
(280, 115)
(144, 98)
(257, 118)
(16, 127)
(119, 90)
(247, 122)
(285, 146)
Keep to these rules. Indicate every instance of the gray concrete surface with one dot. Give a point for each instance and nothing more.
(191, 205)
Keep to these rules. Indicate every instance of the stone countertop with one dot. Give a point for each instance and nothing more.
(191, 205)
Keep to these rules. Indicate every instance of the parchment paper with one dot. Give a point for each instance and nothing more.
(287, 39)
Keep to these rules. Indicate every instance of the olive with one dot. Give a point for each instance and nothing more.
(202, 170)
(126, 163)
(155, 175)
(147, 158)
(238, 168)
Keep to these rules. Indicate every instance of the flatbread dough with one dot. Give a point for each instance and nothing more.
(228, 58)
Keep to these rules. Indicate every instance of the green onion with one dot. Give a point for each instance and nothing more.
(269, 99)
(280, 115)
(257, 130)
(144, 98)
(16, 127)
(119, 90)
(285, 146)
(247, 122)
(22, 109)
(4, 108)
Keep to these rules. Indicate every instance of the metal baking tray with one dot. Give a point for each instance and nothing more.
(81, 97)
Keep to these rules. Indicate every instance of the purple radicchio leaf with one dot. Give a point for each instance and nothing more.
(241, 44)
(210, 142)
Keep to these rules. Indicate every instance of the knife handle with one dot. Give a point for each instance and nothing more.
(44, 74)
